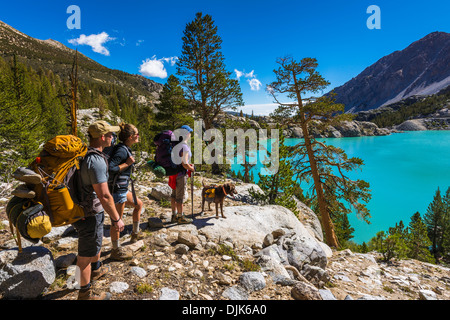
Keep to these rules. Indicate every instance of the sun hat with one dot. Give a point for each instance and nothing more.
(100, 128)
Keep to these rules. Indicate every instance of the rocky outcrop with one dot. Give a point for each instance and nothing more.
(425, 124)
(365, 277)
(412, 125)
(344, 129)
(26, 275)
(360, 128)
(248, 225)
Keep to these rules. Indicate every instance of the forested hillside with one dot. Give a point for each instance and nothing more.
(34, 108)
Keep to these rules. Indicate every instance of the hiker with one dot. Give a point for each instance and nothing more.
(178, 182)
(94, 179)
(121, 163)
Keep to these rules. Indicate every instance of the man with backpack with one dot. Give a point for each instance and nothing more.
(178, 182)
(94, 179)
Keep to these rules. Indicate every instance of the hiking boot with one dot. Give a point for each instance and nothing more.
(23, 192)
(88, 295)
(100, 272)
(135, 237)
(174, 218)
(121, 254)
(27, 176)
(183, 219)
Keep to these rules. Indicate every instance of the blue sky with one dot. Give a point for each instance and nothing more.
(144, 37)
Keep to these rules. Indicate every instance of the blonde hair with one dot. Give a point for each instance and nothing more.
(126, 131)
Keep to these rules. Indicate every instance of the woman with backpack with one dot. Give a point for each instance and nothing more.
(121, 163)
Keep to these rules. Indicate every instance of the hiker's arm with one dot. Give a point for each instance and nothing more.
(107, 201)
(127, 163)
(185, 163)
(115, 163)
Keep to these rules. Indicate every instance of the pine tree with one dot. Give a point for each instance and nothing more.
(434, 219)
(325, 165)
(344, 230)
(173, 111)
(53, 112)
(391, 244)
(21, 121)
(207, 84)
(278, 187)
(446, 224)
(417, 239)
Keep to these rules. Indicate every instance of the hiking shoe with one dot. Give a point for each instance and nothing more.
(174, 218)
(136, 236)
(100, 272)
(183, 219)
(27, 176)
(23, 192)
(121, 254)
(88, 295)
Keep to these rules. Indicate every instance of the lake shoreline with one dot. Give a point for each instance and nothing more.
(404, 171)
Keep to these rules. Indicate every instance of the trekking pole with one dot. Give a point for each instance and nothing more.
(192, 194)
(133, 191)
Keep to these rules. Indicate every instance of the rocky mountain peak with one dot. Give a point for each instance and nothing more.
(423, 68)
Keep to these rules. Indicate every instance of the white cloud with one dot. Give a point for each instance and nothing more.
(171, 60)
(250, 75)
(139, 42)
(239, 74)
(154, 68)
(96, 41)
(254, 83)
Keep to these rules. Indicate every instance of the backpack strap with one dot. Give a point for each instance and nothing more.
(112, 183)
(89, 202)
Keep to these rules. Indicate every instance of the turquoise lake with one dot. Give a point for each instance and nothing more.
(403, 169)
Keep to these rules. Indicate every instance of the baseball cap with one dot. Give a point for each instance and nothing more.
(100, 128)
(186, 127)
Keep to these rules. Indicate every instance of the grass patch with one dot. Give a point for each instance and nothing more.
(165, 203)
(143, 288)
(245, 264)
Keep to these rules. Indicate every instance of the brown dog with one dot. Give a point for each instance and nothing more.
(217, 194)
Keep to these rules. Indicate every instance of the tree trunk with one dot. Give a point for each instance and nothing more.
(215, 168)
(327, 224)
(326, 220)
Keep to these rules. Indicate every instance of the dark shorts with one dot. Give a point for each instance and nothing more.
(90, 235)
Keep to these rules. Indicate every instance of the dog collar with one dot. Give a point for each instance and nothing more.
(223, 188)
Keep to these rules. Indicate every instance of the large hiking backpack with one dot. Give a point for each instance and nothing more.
(163, 164)
(56, 197)
(164, 142)
(29, 218)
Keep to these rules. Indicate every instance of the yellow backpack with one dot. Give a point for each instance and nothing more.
(57, 202)
(57, 164)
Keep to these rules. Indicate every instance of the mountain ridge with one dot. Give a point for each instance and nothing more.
(53, 55)
(422, 68)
